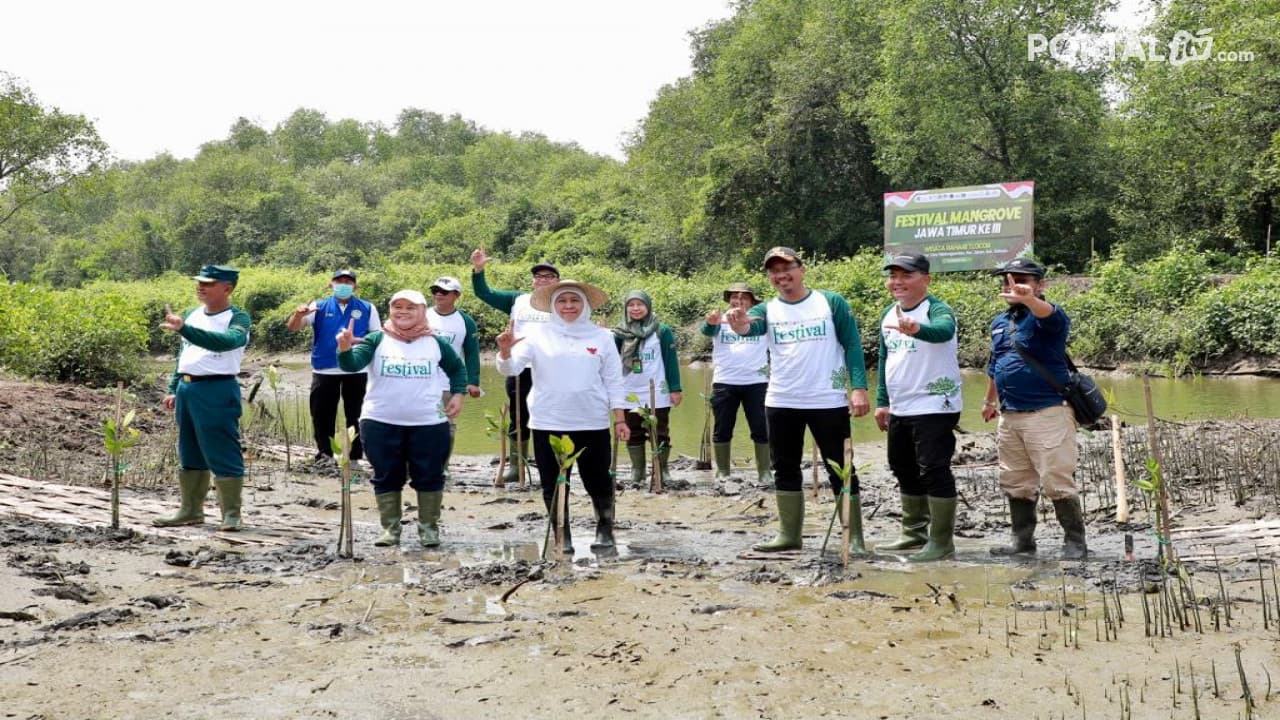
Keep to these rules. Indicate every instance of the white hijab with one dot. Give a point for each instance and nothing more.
(580, 328)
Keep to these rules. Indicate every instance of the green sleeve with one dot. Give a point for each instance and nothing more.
(758, 316)
(670, 359)
(710, 330)
(453, 366)
(173, 379)
(502, 300)
(235, 336)
(361, 354)
(941, 326)
(882, 388)
(850, 340)
(471, 350)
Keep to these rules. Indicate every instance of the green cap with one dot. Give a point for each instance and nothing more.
(217, 273)
(741, 287)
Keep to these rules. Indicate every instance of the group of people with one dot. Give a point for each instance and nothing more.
(791, 363)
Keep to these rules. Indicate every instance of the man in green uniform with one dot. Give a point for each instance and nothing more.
(205, 395)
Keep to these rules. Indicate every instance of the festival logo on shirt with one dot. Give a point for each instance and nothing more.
(446, 336)
(404, 368)
(897, 342)
(798, 331)
(729, 337)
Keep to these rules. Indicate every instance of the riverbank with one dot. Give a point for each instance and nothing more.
(685, 621)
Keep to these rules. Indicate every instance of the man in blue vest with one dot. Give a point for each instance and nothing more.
(328, 317)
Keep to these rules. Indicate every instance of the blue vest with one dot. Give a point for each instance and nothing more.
(329, 321)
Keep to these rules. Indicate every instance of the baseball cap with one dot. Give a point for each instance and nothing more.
(448, 284)
(412, 296)
(544, 267)
(1021, 266)
(345, 274)
(784, 253)
(217, 273)
(909, 261)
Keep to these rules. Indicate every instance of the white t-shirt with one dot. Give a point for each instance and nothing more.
(527, 320)
(739, 360)
(921, 378)
(195, 360)
(451, 328)
(807, 368)
(407, 386)
(653, 368)
(576, 380)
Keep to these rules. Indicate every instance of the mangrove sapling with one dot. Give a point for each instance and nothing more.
(341, 446)
(649, 419)
(500, 427)
(562, 446)
(118, 434)
(273, 381)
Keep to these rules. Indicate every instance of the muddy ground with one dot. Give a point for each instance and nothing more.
(683, 622)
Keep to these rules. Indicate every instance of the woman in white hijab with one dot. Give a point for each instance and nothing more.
(577, 391)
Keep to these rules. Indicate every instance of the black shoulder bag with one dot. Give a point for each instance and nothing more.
(1080, 392)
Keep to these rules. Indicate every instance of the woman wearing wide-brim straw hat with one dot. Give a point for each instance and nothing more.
(577, 391)
(740, 379)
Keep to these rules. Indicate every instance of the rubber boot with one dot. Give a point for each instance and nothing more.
(664, 454)
(857, 546)
(553, 518)
(790, 523)
(604, 506)
(229, 490)
(1071, 517)
(636, 453)
(942, 526)
(915, 524)
(724, 461)
(764, 474)
(429, 518)
(517, 455)
(389, 513)
(193, 486)
(1022, 517)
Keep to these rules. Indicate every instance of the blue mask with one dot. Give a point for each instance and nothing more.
(342, 291)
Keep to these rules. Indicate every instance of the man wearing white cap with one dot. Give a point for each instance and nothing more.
(458, 328)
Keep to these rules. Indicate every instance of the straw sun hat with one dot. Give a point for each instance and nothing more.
(541, 299)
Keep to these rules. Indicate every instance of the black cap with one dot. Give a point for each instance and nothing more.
(909, 261)
(217, 273)
(345, 274)
(540, 267)
(1020, 266)
(785, 253)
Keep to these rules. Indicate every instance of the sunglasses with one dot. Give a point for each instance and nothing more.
(546, 276)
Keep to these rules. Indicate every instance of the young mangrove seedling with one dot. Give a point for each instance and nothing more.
(566, 455)
(118, 435)
(273, 381)
(340, 444)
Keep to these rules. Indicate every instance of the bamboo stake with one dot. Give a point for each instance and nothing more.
(344, 534)
(115, 461)
(1122, 491)
(655, 484)
(845, 503)
(520, 469)
(502, 448)
(704, 449)
(814, 462)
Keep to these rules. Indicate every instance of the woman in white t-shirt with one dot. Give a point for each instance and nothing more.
(404, 420)
(647, 348)
(577, 391)
(741, 377)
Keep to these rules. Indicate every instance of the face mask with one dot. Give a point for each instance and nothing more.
(343, 291)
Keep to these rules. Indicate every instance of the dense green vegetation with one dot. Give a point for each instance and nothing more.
(1169, 311)
(797, 117)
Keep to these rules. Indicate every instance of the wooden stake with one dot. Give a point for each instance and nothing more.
(815, 460)
(344, 534)
(846, 503)
(1122, 490)
(502, 448)
(655, 484)
(520, 463)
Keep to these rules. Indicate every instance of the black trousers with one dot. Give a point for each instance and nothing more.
(326, 390)
(526, 383)
(640, 431)
(829, 427)
(725, 400)
(592, 464)
(920, 450)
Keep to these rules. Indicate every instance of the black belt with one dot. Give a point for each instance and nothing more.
(206, 378)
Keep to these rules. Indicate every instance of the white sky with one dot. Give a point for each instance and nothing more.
(156, 76)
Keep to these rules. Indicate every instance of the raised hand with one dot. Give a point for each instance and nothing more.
(506, 340)
(713, 317)
(478, 259)
(172, 322)
(347, 337)
(1018, 293)
(304, 310)
(906, 325)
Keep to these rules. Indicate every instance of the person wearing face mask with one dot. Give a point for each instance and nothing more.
(741, 378)
(647, 348)
(577, 391)
(330, 383)
(405, 419)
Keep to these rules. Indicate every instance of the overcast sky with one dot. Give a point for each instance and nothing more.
(156, 76)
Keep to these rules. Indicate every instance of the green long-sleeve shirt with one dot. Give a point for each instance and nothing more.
(502, 300)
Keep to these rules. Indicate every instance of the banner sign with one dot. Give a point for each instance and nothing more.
(967, 228)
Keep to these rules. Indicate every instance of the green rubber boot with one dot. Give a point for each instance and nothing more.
(790, 523)
(390, 510)
(724, 461)
(636, 453)
(429, 518)
(516, 456)
(764, 473)
(915, 524)
(664, 454)
(857, 546)
(1071, 517)
(1022, 517)
(942, 526)
(229, 490)
(193, 485)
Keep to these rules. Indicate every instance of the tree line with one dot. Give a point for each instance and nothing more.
(797, 117)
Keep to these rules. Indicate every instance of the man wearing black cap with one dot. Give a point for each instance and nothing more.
(205, 397)
(330, 316)
(817, 376)
(524, 319)
(918, 405)
(1035, 438)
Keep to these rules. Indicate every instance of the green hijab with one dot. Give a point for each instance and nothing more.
(633, 333)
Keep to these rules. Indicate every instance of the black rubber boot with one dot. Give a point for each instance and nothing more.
(1071, 517)
(604, 506)
(1022, 517)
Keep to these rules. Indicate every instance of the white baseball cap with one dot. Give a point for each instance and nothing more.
(448, 284)
(412, 296)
